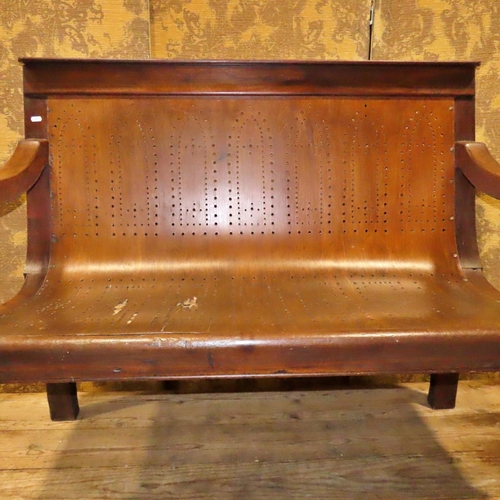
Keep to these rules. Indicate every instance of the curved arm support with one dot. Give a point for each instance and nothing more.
(23, 168)
(480, 168)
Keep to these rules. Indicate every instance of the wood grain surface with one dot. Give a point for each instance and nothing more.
(327, 444)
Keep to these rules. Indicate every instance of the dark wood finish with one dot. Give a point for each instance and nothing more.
(23, 169)
(443, 391)
(38, 209)
(465, 214)
(63, 401)
(249, 220)
(153, 77)
(143, 356)
(480, 168)
(465, 199)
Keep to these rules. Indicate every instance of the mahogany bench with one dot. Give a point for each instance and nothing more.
(234, 219)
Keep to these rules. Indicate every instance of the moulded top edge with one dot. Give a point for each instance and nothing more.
(148, 77)
(244, 62)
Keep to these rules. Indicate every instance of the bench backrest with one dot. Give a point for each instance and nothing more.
(200, 164)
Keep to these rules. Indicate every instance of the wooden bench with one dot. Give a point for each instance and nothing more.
(230, 219)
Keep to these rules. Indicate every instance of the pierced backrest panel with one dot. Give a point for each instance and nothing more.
(252, 179)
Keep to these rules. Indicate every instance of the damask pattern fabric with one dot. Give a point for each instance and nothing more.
(260, 29)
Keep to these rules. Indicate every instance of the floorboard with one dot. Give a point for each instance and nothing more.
(327, 444)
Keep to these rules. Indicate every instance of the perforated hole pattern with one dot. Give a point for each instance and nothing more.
(180, 178)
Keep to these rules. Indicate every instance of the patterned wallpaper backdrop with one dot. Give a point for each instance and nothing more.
(260, 29)
(443, 30)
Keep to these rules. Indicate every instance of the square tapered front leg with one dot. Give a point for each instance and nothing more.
(63, 401)
(443, 391)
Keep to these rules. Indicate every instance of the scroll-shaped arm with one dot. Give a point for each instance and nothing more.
(23, 168)
(480, 168)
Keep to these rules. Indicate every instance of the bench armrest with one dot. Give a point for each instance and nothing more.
(480, 168)
(23, 168)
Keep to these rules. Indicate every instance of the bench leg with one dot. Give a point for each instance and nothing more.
(443, 391)
(63, 401)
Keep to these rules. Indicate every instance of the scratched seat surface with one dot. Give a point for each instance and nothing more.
(266, 303)
(232, 216)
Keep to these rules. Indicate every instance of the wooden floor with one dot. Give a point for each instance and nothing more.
(326, 444)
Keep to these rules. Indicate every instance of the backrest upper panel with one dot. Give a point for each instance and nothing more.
(252, 178)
